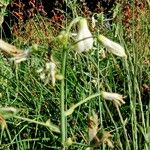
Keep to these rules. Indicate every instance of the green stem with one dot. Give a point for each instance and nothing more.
(116, 128)
(132, 101)
(74, 21)
(71, 110)
(62, 99)
(51, 126)
(124, 128)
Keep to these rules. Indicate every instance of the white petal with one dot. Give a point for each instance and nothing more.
(52, 72)
(112, 96)
(39, 70)
(84, 37)
(114, 47)
(20, 57)
(42, 76)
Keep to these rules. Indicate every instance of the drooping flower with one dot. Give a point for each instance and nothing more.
(20, 57)
(2, 122)
(48, 73)
(116, 98)
(51, 67)
(16, 54)
(84, 40)
(10, 110)
(112, 46)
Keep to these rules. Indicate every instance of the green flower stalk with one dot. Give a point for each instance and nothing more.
(84, 40)
(112, 46)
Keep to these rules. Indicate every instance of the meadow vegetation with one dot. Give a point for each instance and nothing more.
(62, 98)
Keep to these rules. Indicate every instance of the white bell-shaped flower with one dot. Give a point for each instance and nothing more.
(20, 57)
(84, 40)
(48, 73)
(116, 98)
(112, 46)
(52, 68)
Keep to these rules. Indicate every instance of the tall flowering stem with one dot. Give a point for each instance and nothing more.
(62, 99)
(64, 38)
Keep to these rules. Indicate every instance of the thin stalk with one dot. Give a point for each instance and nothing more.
(140, 103)
(62, 98)
(51, 126)
(71, 109)
(30, 140)
(130, 71)
(98, 87)
(115, 125)
(132, 100)
(133, 61)
(124, 128)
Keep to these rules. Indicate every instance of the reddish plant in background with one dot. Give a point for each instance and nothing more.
(131, 14)
(20, 11)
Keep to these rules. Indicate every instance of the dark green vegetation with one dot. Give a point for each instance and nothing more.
(85, 74)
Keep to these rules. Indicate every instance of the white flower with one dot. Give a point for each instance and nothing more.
(115, 97)
(84, 40)
(52, 68)
(114, 47)
(8, 109)
(48, 73)
(42, 76)
(39, 70)
(20, 57)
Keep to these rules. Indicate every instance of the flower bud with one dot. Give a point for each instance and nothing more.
(68, 142)
(114, 47)
(63, 37)
(59, 76)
